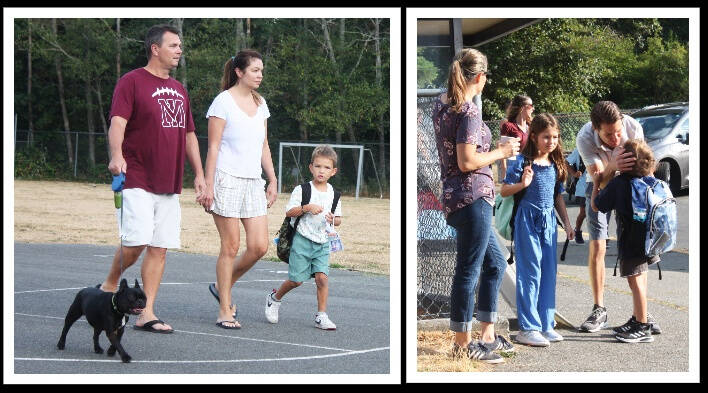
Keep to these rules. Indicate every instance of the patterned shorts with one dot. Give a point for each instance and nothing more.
(238, 197)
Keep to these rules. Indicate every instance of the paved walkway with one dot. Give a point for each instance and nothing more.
(47, 277)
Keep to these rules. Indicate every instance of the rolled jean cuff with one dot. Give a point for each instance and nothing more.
(460, 326)
(487, 316)
(482, 316)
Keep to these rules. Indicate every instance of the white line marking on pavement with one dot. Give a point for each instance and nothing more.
(216, 335)
(212, 361)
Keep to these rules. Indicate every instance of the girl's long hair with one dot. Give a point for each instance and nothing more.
(241, 61)
(466, 64)
(539, 124)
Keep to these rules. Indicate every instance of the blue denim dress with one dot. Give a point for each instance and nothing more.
(535, 241)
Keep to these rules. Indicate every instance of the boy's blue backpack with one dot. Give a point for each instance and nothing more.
(654, 204)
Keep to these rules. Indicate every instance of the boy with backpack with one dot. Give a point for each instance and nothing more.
(632, 195)
(310, 245)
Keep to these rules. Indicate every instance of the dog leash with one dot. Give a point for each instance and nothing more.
(117, 186)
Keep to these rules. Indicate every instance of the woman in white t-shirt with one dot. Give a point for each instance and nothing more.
(238, 152)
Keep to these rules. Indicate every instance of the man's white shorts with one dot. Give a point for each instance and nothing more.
(149, 219)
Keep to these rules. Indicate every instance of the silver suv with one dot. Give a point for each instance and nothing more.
(666, 131)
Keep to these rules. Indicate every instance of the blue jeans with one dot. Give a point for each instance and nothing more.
(478, 257)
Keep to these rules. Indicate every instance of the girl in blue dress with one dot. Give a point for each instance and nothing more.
(535, 235)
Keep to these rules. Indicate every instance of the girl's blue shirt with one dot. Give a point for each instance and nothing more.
(540, 191)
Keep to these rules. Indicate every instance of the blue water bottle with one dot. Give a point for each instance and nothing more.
(117, 187)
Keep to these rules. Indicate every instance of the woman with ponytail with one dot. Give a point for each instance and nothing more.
(464, 149)
(235, 190)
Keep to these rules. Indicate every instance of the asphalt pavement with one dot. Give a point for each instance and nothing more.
(668, 301)
(47, 277)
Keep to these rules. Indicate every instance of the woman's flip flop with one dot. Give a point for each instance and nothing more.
(215, 293)
(148, 327)
(223, 324)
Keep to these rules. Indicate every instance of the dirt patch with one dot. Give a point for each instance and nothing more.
(83, 213)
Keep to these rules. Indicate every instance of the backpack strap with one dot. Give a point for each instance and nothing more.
(337, 194)
(306, 195)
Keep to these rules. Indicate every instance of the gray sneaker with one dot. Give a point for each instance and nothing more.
(500, 344)
(477, 351)
(596, 321)
(655, 328)
(532, 338)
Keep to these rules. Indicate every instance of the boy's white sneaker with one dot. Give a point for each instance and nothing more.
(322, 322)
(271, 308)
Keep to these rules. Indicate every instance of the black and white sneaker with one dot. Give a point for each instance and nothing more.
(477, 351)
(501, 345)
(637, 333)
(596, 321)
(655, 328)
(627, 325)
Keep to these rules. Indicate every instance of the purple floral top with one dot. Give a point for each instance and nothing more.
(461, 188)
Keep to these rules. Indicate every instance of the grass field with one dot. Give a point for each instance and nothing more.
(83, 213)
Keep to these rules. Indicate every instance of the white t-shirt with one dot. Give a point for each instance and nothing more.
(593, 151)
(242, 141)
(314, 226)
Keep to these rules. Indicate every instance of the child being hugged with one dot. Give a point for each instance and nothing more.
(634, 264)
(535, 235)
(309, 252)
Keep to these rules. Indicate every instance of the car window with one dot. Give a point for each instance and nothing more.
(684, 127)
(658, 126)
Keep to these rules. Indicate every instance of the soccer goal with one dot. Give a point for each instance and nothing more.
(297, 156)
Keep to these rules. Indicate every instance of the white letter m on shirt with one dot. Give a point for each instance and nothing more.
(172, 112)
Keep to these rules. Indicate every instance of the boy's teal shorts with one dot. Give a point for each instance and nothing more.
(307, 258)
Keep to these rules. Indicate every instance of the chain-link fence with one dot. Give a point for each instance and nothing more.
(436, 241)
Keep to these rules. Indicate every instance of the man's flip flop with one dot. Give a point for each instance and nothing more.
(148, 327)
(215, 293)
(223, 325)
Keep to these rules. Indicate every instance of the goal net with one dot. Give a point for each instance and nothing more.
(356, 168)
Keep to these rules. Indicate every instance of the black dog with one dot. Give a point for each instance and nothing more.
(105, 311)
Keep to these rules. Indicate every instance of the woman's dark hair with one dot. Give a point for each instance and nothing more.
(516, 105)
(645, 163)
(539, 124)
(241, 61)
(154, 36)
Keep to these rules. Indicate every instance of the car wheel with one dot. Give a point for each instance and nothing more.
(663, 172)
(675, 180)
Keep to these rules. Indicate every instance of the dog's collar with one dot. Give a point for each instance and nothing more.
(113, 302)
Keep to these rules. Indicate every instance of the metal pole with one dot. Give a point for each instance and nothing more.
(361, 164)
(76, 153)
(280, 167)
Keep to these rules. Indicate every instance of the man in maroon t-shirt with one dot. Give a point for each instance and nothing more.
(151, 132)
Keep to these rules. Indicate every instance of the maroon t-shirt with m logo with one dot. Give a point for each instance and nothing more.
(159, 117)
